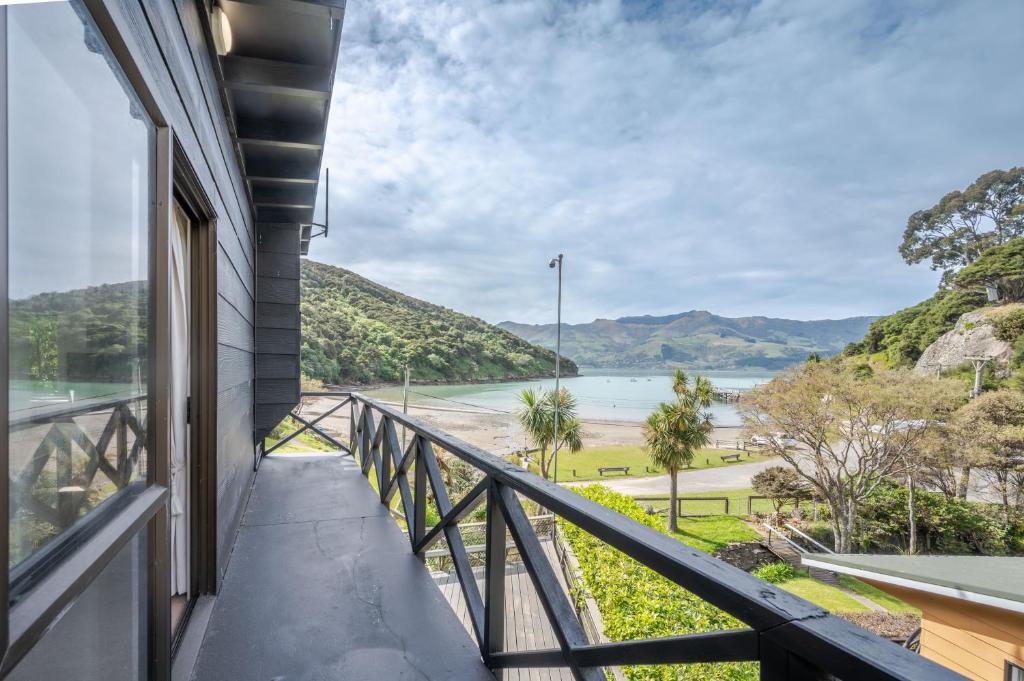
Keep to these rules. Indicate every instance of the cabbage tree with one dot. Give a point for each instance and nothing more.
(536, 415)
(678, 430)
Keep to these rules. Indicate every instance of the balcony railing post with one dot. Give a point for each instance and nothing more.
(353, 411)
(121, 429)
(494, 579)
(385, 457)
(367, 441)
(779, 664)
(419, 500)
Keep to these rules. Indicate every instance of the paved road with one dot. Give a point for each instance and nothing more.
(736, 476)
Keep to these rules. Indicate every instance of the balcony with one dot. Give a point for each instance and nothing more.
(329, 578)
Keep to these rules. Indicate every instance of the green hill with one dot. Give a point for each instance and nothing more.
(899, 339)
(356, 331)
(696, 339)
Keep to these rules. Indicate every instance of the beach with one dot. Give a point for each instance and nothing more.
(495, 432)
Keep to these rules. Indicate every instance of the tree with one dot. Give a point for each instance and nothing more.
(677, 430)
(963, 224)
(45, 357)
(992, 427)
(1001, 267)
(781, 484)
(853, 433)
(537, 418)
(947, 458)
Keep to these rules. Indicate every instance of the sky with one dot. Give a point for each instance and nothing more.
(745, 157)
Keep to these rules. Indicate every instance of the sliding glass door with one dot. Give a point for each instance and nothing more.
(79, 214)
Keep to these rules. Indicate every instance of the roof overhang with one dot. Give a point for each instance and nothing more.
(908, 581)
(277, 80)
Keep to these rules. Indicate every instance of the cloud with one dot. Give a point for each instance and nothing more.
(744, 157)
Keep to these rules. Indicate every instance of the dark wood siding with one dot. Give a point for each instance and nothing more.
(165, 39)
(277, 324)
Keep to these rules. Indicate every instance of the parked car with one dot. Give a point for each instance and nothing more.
(778, 439)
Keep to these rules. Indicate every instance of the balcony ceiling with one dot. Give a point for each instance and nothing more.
(277, 80)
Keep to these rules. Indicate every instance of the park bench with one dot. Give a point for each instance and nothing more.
(730, 457)
(613, 469)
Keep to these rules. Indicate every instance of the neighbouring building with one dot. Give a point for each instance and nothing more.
(972, 607)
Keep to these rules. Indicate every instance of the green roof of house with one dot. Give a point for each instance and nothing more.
(996, 577)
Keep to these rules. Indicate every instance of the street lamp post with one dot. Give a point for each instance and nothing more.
(557, 263)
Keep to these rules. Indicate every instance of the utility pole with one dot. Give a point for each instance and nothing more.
(557, 263)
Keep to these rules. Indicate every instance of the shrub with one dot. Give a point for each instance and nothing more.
(781, 484)
(636, 602)
(953, 526)
(1009, 326)
(776, 573)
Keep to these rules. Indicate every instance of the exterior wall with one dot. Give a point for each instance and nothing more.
(167, 42)
(277, 324)
(974, 640)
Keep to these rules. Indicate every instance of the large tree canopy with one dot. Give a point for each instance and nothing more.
(963, 224)
(1001, 266)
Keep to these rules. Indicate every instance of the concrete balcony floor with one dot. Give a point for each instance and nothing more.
(322, 585)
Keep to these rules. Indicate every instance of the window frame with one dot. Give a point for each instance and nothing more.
(25, 623)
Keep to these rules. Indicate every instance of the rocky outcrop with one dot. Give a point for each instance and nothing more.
(971, 337)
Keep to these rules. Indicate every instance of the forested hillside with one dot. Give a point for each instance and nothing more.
(356, 331)
(696, 339)
(88, 334)
(900, 338)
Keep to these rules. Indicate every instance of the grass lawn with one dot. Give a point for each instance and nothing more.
(890, 603)
(305, 442)
(825, 595)
(709, 533)
(586, 462)
(713, 532)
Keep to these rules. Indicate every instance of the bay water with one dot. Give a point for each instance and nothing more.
(606, 394)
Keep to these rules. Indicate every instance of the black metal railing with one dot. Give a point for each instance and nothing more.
(790, 637)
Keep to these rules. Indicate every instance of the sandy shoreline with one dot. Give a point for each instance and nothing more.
(495, 432)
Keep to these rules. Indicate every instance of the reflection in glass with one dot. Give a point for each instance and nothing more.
(101, 637)
(79, 215)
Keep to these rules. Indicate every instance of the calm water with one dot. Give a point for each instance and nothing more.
(28, 394)
(600, 393)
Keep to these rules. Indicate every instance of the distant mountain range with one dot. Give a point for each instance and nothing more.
(695, 339)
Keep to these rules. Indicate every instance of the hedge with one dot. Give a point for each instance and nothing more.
(637, 603)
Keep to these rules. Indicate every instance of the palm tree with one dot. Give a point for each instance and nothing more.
(677, 430)
(537, 418)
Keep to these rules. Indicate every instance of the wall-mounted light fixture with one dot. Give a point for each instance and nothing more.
(221, 31)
